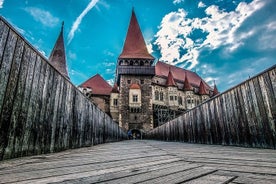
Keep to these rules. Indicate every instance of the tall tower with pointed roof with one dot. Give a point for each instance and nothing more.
(134, 77)
(58, 56)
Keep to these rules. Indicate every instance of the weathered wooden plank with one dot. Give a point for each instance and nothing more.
(4, 30)
(23, 116)
(6, 64)
(9, 97)
(15, 136)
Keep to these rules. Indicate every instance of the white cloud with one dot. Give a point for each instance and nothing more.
(77, 22)
(42, 16)
(174, 36)
(201, 5)
(110, 82)
(1, 3)
(72, 55)
(178, 1)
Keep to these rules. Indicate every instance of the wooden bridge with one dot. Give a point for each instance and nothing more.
(144, 161)
(42, 112)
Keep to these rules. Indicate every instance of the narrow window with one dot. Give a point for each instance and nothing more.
(128, 81)
(115, 102)
(135, 98)
(161, 96)
(180, 100)
(156, 95)
(171, 98)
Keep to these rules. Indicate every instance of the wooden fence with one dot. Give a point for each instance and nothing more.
(40, 110)
(243, 116)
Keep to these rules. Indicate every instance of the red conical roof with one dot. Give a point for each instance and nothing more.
(57, 57)
(98, 85)
(187, 86)
(135, 46)
(115, 89)
(215, 92)
(202, 89)
(170, 80)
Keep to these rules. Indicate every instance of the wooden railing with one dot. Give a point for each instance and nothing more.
(244, 115)
(40, 110)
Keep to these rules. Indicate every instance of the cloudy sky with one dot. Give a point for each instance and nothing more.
(223, 40)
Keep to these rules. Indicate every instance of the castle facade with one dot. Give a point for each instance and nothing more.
(145, 95)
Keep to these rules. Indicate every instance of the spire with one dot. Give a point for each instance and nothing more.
(170, 80)
(135, 46)
(215, 92)
(57, 57)
(187, 86)
(202, 89)
(115, 89)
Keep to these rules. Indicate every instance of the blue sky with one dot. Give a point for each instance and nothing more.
(222, 40)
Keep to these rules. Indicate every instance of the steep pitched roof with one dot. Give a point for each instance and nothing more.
(135, 46)
(57, 57)
(115, 89)
(134, 86)
(162, 70)
(187, 86)
(98, 85)
(202, 89)
(170, 80)
(215, 92)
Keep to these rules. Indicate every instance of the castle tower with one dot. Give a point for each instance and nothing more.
(114, 103)
(57, 57)
(134, 77)
(189, 94)
(172, 91)
(203, 92)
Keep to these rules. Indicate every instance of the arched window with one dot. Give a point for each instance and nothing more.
(180, 100)
(189, 100)
(161, 96)
(156, 95)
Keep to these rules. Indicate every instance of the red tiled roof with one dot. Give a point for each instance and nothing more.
(170, 80)
(187, 86)
(202, 89)
(98, 85)
(57, 57)
(134, 86)
(162, 69)
(115, 89)
(135, 46)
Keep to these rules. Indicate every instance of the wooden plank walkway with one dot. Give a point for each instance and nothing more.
(144, 161)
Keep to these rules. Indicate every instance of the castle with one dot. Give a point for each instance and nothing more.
(144, 95)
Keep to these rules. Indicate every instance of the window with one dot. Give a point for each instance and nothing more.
(135, 98)
(171, 98)
(161, 96)
(188, 101)
(115, 102)
(156, 95)
(175, 98)
(180, 100)
(128, 81)
(142, 81)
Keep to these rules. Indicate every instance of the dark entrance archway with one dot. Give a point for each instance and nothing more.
(135, 134)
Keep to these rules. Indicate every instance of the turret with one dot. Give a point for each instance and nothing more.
(203, 92)
(114, 103)
(172, 91)
(58, 56)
